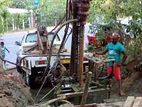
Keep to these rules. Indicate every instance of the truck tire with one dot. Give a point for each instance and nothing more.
(30, 80)
(19, 69)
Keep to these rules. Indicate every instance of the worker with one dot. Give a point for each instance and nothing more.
(115, 49)
(3, 53)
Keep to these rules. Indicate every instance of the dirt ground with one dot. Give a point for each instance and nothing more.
(13, 91)
(131, 83)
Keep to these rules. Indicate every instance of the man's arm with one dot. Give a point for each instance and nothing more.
(7, 50)
(124, 57)
(101, 52)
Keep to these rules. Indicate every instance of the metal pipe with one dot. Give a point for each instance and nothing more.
(74, 45)
(85, 94)
(81, 57)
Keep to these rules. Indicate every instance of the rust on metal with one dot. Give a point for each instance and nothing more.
(83, 10)
(74, 48)
(85, 94)
(81, 58)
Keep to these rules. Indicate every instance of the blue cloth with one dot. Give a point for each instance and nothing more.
(114, 52)
(3, 51)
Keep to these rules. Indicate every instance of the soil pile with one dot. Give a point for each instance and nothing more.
(13, 91)
(132, 84)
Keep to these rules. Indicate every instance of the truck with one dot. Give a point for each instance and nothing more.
(32, 65)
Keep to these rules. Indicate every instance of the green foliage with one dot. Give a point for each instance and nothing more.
(25, 4)
(1, 24)
(3, 14)
(6, 18)
(133, 8)
(4, 3)
(90, 48)
(105, 9)
(134, 47)
(18, 18)
(48, 11)
(112, 9)
(52, 10)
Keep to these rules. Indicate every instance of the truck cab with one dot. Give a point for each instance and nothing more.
(35, 63)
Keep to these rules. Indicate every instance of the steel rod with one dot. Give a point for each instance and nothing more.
(81, 57)
(74, 45)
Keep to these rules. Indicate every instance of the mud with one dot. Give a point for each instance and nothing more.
(13, 91)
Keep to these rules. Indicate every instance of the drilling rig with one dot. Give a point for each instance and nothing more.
(81, 80)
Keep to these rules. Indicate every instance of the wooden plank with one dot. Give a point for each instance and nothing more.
(129, 102)
(138, 102)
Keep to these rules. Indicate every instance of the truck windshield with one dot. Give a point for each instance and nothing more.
(50, 37)
(31, 37)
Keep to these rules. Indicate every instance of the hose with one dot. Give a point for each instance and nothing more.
(59, 99)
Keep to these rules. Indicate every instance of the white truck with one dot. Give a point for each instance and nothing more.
(36, 64)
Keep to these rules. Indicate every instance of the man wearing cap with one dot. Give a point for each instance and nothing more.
(115, 49)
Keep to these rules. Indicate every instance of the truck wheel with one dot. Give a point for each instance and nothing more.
(19, 69)
(30, 80)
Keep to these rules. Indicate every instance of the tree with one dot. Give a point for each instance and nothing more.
(51, 11)
(3, 14)
(48, 11)
(112, 9)
(133, 8)
(25, 4)
(108, 10)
